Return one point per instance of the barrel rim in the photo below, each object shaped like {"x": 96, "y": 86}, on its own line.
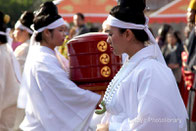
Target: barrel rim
{"x": 90, "y": 34}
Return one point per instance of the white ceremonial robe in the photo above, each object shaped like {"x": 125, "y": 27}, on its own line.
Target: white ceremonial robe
{"x": 21, "y": 53}
{"x": 54, "y": 103}
{"x": 9, "y": 86}
{"x": 147, "y": 98}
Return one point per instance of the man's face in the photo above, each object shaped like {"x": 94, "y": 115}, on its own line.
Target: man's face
{"x": 191, "y": 16}
{"x": 78, "y": 20}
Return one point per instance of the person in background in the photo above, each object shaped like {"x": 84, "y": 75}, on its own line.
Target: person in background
{"x": 172, "y": 54}
{"x": 79, "y": 24}
{"x": 72, "y": 32}
{"x": 178, "y": 36}
{"x": 22, "y": 33}
{"x": 162, "y": 33}
{"x": 15, "y": 43}
{"x": 191, "y": 11}
{"x": 191, "y": 46}
{"x": 187, "y": 32}
{"x": 63, "y": 48}
{"x": 54, "y": 102}
{"x": 9, "y": 79}
{"x": 188, "y": 67}
{"x": 144, "y": 90}
{"x": 191, "y": 66}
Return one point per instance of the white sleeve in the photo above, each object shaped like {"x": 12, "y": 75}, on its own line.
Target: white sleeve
{"x": 69, "y": 104}
{"x": 153, "y": 114}
{"x": 2, "y": 79}
{"x": 2, "y": 69}
{"x": 8, "y": 92}
{"x": 151, "y": 117}
{"x": 20, "y": 54}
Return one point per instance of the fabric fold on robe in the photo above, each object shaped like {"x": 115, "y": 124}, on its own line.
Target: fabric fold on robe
{"x": 9, "y": 86}
{"x": 54, "y": 102}
{"x": 147, "y": 98}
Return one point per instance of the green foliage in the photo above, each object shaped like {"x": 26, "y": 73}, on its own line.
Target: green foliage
{"x": 14, "y": 8}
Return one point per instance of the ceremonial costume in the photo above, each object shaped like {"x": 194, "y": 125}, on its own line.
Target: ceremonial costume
{"x": 9, "y": 86}
{"x": 21, "y": 53}
{"x": 53, "y": 101}
{"x": 191, "y": 64}
{"x": 189, "y": 71}
{"x": 22, "y": 50}
{"x": 143, "y": 95}
{"x": 147, "y": 97}
{"x": 9, "y": 78}
{"x": 22, "y": 33}
{"x": 172, "y": 56}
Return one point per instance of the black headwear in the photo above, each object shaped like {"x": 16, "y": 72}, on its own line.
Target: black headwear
{"x": 3, "y": 26}
{"x": 2, "y": 22}
{"x": 134, "y": 5}
{"x": 47, "y": 14}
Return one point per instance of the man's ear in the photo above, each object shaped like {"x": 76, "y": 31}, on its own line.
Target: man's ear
{"x": 128, "y": 34}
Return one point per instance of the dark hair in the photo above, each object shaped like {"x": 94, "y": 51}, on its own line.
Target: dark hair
{"x": 3, "y": 38}
{"x": 47, "y": 14}
{"x": 165, "y": 28}
{"x": 177, "y": 35}
{"x": 27, "y": 18}
{"x": 131, "y": 11}
{"x": 80, "y": 15}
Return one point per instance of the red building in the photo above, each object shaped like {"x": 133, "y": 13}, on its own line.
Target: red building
{"x": 174, "y": 12}
{"x": 94, "y": 10}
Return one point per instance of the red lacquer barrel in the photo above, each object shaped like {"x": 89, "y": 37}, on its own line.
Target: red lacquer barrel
{"x": 92, "y": 62}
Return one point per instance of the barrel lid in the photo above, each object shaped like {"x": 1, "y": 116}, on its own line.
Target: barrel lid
{"x": 89, "y": 37}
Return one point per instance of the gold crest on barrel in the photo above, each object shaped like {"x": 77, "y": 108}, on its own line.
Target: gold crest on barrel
{"x": 92, "y": 62}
